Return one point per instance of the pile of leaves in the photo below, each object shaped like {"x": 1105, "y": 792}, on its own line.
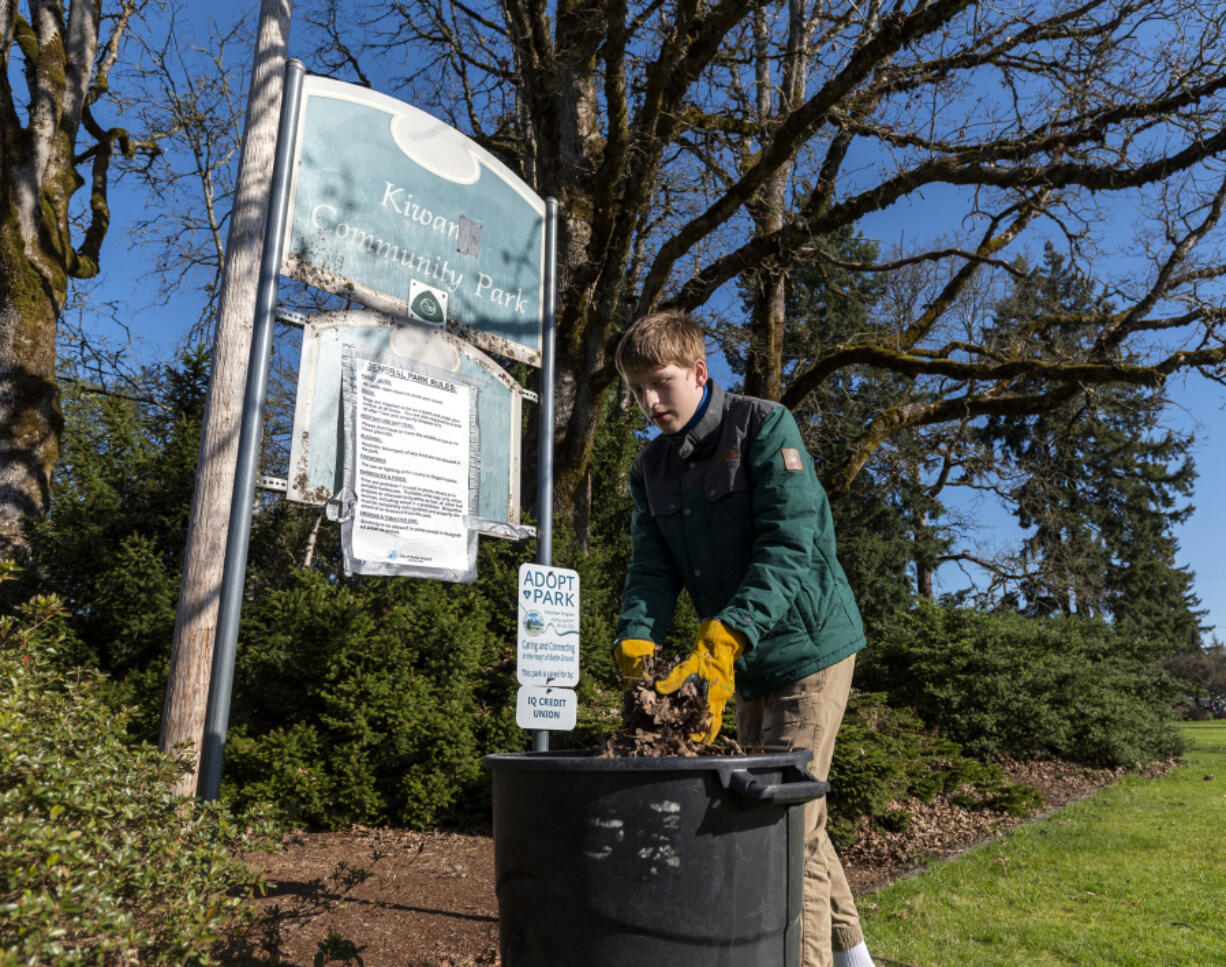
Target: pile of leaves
{"x": 662, "y": 725}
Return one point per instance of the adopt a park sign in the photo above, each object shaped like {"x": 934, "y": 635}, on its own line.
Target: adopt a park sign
{"x": 547, "y": 654}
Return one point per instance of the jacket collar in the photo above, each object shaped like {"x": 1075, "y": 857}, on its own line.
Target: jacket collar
{"x": 693, "y": 439}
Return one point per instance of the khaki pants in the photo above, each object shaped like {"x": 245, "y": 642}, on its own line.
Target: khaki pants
{"x": 806, "y": 715}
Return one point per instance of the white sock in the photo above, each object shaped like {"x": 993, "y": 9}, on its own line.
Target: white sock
{"x": 856, "y": 957}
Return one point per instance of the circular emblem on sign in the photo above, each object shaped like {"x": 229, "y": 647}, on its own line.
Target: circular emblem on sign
{"x": 534, "y": 624}
{"x": 427, "y": 306}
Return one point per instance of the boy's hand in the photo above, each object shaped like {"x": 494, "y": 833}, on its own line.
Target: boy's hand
{"x": 632, "y": 655}
{"x": 717, "y": 647}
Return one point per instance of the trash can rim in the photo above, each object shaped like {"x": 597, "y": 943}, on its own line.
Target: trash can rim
{"x": 586, "y": 760}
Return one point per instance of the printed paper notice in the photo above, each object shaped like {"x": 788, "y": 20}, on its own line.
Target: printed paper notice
{"x": 412, "y": 463}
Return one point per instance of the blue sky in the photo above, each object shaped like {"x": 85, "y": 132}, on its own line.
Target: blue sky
{"x": 1197, "y": 403}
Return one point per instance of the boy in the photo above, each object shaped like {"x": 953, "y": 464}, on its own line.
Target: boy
{"x": 727, "y": 505}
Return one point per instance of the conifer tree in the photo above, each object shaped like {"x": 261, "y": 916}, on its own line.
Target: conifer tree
{"x": 1097, "y": 481}
{"x": 112, "y": 543}
{"x": 888, "y": 540}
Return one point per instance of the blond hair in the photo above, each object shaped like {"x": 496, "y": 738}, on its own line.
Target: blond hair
{"x": 660, "y": 339}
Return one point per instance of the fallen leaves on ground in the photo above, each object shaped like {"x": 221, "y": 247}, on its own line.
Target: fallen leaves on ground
{"x": 431, "y": 902}
{"x": 942, "y": 828}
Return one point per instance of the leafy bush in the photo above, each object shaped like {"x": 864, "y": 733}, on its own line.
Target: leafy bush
{"x": 99, "y": 862}
{"x": 884, "y": 755}
{"x": 1068, "y": 687}
{"x": 369, "y": 701}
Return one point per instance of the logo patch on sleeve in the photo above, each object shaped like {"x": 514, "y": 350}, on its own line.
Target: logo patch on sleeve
{"x": 791, "y": 458}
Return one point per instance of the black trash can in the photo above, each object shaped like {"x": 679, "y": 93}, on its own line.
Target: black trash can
{"x": 666, "y": 862}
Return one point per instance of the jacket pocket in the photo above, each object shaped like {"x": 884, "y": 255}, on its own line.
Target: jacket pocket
{"x": 806, "y": 612}
{"x": 726, "y": 475}
{"x": 839, "y": 591}
{"x": 663, "y": 501}
{"x": 726, "y": 488}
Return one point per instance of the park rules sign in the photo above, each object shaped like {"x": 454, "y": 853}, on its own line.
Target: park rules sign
{"x": 394, "y": 208}
{"x": 411, "y": 479}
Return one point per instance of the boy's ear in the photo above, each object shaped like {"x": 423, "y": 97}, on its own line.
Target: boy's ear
{"x": 700, "y": 371}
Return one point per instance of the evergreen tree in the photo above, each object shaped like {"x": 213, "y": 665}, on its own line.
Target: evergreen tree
{"x": 1145, "y": 473}
{"x": 1097, "y": 481}
{"x": 887, "y": 536}
{"x": 112, "y": 543}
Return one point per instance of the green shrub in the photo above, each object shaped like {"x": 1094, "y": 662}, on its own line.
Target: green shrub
{"x": 99, "y": 862}
{"x": 1068, "y": 687}
{"x": 369, "y": 702}
{"x": 883, "y": 755}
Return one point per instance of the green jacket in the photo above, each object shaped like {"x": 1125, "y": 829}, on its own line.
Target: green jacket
{"x": 733, "y": 512}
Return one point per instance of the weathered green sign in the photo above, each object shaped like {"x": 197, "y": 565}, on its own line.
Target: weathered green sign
{"x": 403, "y": 213}
{"x": 318, "y": 446}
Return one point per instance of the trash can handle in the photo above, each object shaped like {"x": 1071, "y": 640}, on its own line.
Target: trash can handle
{"x": 802, "y": 789}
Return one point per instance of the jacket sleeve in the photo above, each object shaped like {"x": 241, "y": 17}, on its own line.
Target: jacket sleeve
{"x": 786, "y": 499}
{"x": 652, "y": 581}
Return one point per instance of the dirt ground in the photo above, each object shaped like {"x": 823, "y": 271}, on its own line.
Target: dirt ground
{"x": 428, "y": 900}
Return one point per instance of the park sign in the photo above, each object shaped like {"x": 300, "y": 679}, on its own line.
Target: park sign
{"x": 395, "y": 209}
{"x": 548, "y": 640}
{"x": 382, "y": 204}
{"x": 319, "y": 450}
{"x": 547, "y": 653}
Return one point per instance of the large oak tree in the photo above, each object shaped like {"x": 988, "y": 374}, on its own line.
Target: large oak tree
{"x": 54, "y": 140}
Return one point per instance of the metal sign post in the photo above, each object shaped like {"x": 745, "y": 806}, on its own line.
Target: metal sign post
{"x": 544, "y": 463}
{"x": 221, "y": 679}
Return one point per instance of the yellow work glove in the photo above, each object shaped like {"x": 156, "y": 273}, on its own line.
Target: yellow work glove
{"x": 717, "y": 647}
{"x": 631, "y": 655}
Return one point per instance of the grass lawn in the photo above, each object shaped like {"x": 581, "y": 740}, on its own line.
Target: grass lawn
{"x": 1133, "y": 875}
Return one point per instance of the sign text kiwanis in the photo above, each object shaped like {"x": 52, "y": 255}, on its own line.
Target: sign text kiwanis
{"x": 326, "y": 220}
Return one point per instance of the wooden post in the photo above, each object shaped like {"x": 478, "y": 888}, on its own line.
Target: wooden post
{"x": 191, "y": 657}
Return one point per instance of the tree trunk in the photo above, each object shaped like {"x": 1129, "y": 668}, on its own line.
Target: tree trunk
{"x": 577, "y": 418}
{"x": 308, "y": 555}
{"x": 196, "y": 623}
{"x": 923, "y": 567}
{"x": 30, "y": 418}
{"x": 569, "y": 148}
{"x": 764, "y": 360}
{"x": 768, "y": 317}
{"x": 38, "y": 178}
